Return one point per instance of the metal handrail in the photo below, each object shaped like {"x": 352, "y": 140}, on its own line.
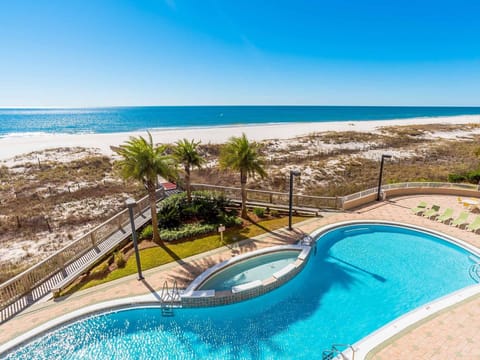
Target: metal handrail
{"x": 334, "y": 351}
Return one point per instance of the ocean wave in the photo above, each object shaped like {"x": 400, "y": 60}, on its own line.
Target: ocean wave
{"x": 28, "y": 134}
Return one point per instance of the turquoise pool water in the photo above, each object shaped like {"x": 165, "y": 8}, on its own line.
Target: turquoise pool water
{"x": 258, "y": 268}
{"x": 360, "y": 278}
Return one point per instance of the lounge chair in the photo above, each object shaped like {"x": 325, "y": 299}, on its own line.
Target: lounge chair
{"x": 420, "y": 208}
{"x": 461, "y": 219}
{"x": 475, "y": 225}
{"x": 447, "y": 215}
{"x": 432, "y": 212}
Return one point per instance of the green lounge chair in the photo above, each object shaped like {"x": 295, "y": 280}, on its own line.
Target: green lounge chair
{"x": 420, "y": 208}
{"x": 475, "y": 225}
{"x": 461, "y": 219}
{"x": 432, "y": 212}
{"x": 447, "y": 215}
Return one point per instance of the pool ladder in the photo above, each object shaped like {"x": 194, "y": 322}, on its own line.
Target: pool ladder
{"x": 336, "y": 351}
{"x": 169, "y": 298}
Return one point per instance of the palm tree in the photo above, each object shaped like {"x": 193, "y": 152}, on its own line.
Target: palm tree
{"x": 143, "y": 161}
{"x": 241, "y": 155}
{"x": 185, "y": 152}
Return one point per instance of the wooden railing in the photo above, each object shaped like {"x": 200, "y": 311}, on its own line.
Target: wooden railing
{"x": 24, "y": 282}
{"x": 276, "y": 198}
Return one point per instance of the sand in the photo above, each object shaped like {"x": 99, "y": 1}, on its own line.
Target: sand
{"x": 15, "y": 145}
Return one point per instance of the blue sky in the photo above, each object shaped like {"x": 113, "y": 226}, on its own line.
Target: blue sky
{"x": 174, "y": 52}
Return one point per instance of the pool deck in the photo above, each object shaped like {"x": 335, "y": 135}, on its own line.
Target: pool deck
{"x": 451, "y": 333}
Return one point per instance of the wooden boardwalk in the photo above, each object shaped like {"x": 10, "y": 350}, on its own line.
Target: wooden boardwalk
{"x": 77, "y": 267}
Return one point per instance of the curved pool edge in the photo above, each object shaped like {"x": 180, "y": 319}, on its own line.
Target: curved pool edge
{"x": 193, "y": 297}
{"x": 105, "y": 307}
{"x": 375, "y": 339}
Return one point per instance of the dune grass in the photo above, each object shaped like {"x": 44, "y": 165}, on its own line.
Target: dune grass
{"x": 160, "y": 255}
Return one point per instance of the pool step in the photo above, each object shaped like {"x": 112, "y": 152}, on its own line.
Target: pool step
{"x": 474, "y": 272}
{"x": 167, "y": 311}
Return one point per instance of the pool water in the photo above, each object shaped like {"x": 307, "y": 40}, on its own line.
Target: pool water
{"x": 359, "y": 278}
{"x": 258, "y": 268}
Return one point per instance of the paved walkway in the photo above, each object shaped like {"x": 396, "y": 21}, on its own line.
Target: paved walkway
{"x": 452, "y": 333}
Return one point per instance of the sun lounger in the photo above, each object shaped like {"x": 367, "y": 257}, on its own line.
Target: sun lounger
{"x": 420, "y": 208}
{"x": 432, "y": 212}
{"x": 461, "y": 219}
{"x": 447, "y": 215}
{"x": 475, "y": 225}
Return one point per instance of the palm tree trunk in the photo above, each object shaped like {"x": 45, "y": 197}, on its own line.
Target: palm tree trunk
{"x": 243, "y": 182}
{"x": 153, "y": 211}
{"x": 187, "y": 183}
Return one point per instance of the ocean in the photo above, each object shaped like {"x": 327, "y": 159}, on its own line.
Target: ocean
{"x": 18, "y": 122}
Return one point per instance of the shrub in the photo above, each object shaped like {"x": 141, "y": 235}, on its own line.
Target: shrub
{"x": 206, "y": 205}
{"x": 260, "y": 212}
{"x": 274, "y": 213}
{"x": 100, "y": 271}
{"x": 147, "y": 233}
{"x": 187, "y": 231}
{"x": 474, "y": 176}
{"x": 169, "y": 218}
{"x": 231, "y": 220}
{"x": 456, "y": 178}
{"x": 120, "y": 259}
{"x": 471, "y": 177}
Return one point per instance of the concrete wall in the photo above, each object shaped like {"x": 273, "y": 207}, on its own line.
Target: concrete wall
{"x": 348, "y": 205}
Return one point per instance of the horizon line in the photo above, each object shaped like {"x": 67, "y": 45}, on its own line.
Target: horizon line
{"x": 9, "y": 107}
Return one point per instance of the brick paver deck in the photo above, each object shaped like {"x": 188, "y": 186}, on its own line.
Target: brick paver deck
{"x": 455, "y": 332}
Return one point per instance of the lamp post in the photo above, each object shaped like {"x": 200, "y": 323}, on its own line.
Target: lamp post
{"x": 130, "y": 203}
{"x": 380, "y": 176}
{"x": 290, "y": 197}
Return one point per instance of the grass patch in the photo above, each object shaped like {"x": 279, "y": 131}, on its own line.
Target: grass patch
{"x": 156, "y": 256}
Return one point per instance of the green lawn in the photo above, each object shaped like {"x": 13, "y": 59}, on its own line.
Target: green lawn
{"x": 156, "y": 256}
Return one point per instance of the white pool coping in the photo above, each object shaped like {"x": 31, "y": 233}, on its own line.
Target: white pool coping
{"x": 282, "y": 272}
{"x": 379, "y": 336}
{"x": 248, "y": 286}
{"x": 200, "y": 279}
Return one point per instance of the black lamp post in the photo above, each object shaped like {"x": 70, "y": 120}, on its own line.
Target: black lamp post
{"x": 380, "y": 176}
{"x": 290, "y": 198}
{"x": 131, "y": 204}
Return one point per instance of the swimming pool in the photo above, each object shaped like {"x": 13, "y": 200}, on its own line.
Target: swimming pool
{"x": 259, "y": 267}
{"x": 359, "y": 278}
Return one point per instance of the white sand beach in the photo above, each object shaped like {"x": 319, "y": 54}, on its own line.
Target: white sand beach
{"x": 11, "y": 146}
